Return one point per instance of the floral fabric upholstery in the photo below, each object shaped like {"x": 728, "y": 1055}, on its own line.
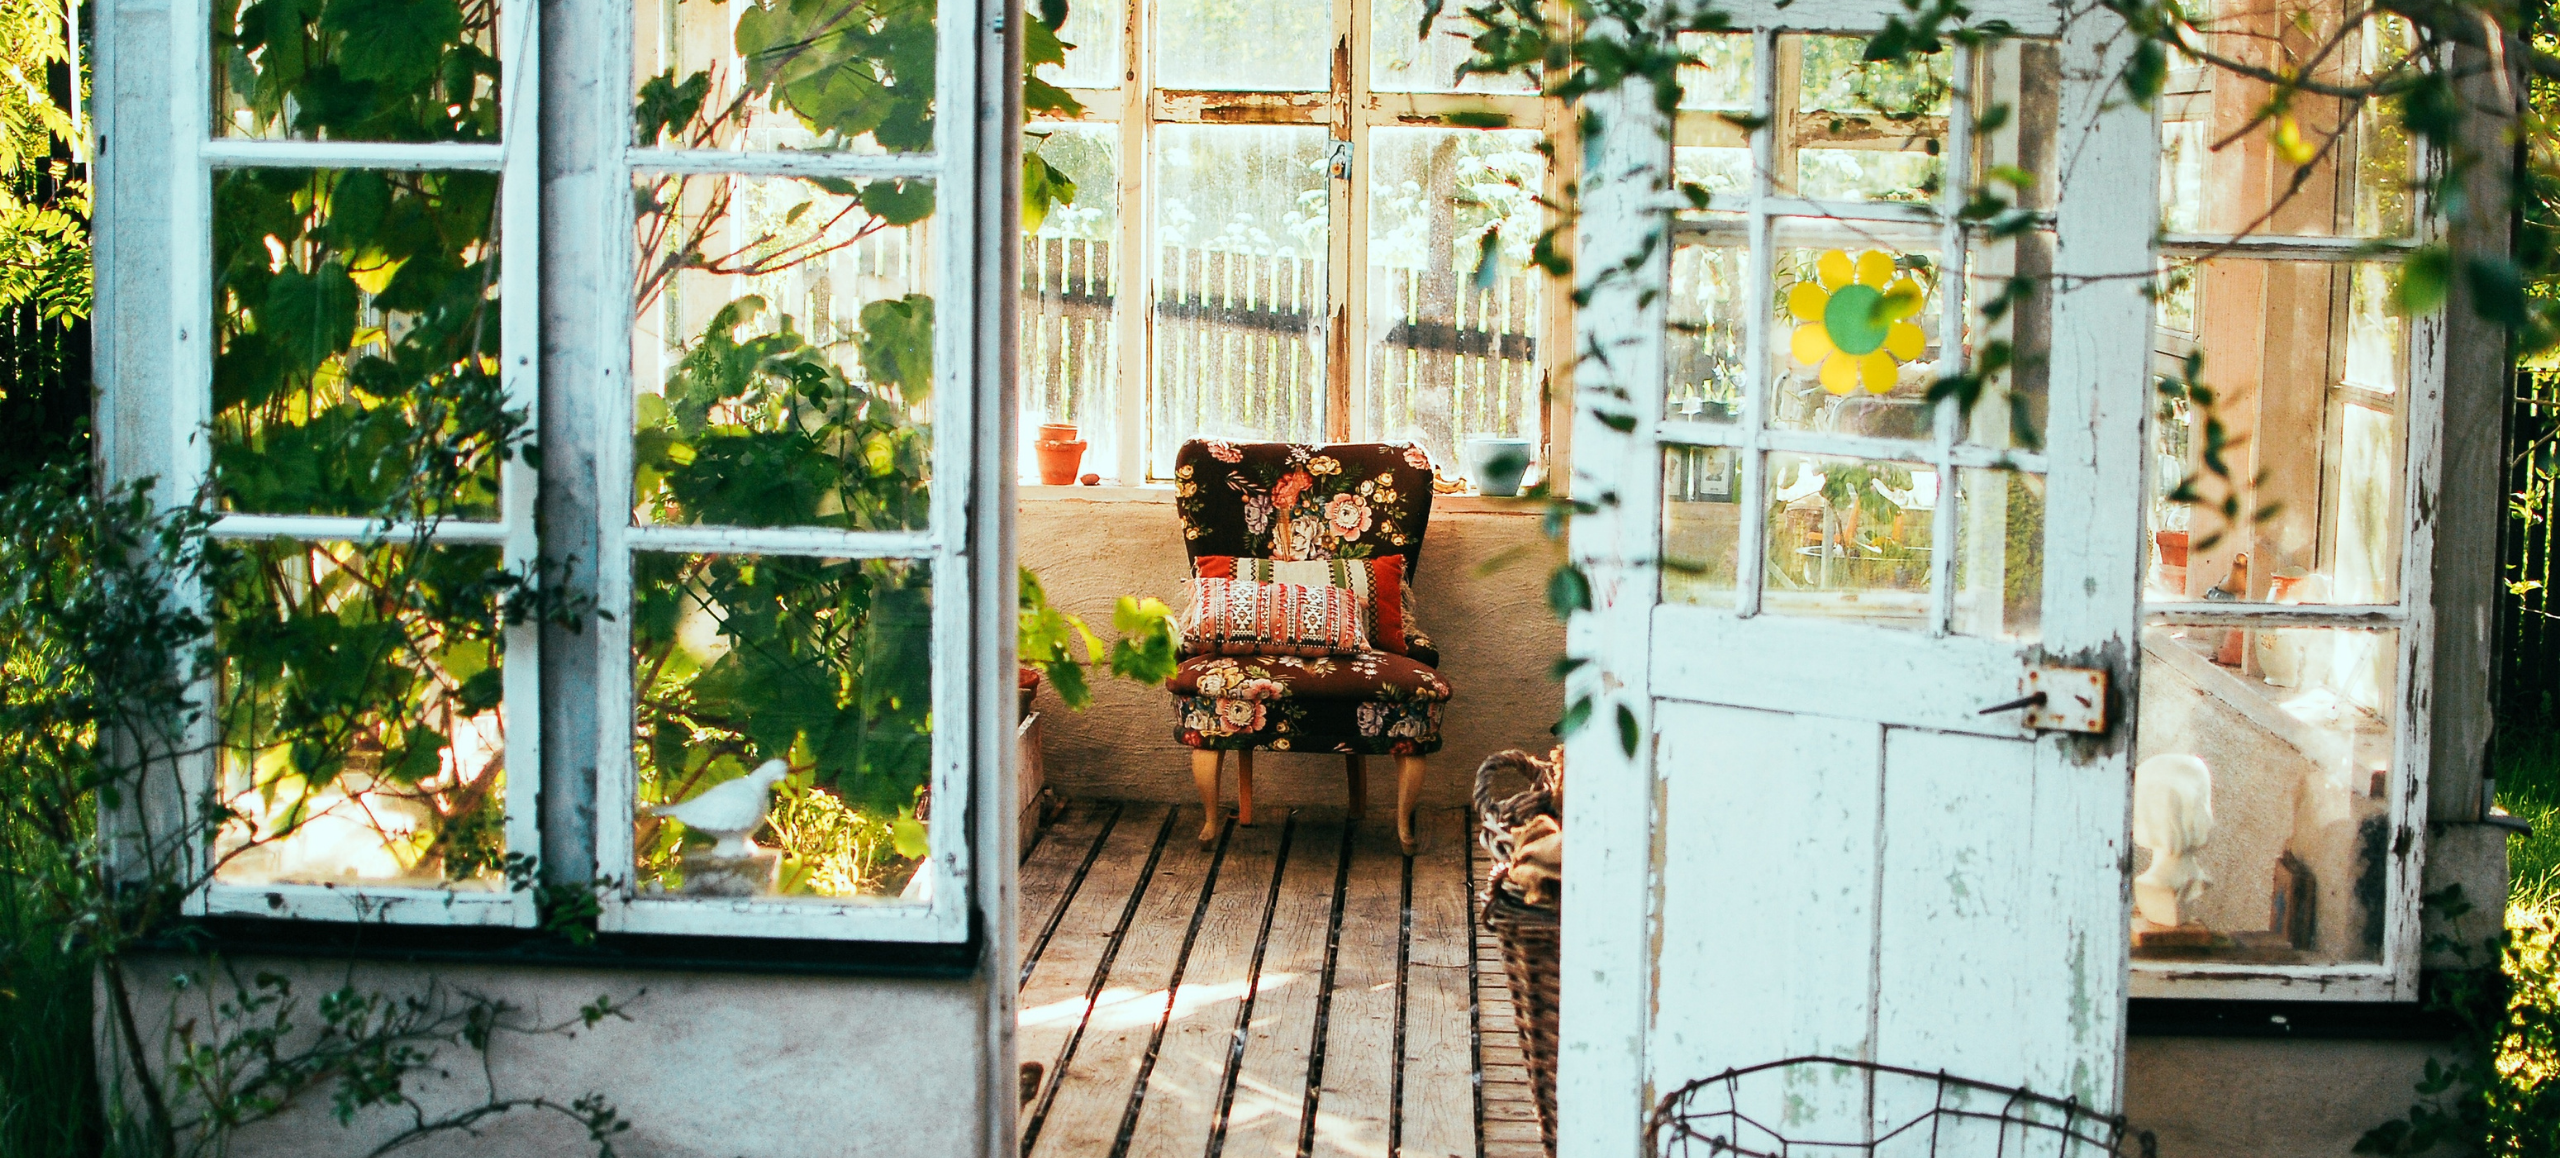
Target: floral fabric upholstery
{"x": 1287, "y": 502}
{"x": 1279, "y": 500}
{"x": 1372, "y": 704}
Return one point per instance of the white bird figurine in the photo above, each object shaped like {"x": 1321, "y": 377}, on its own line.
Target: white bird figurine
{"x": 730, "y": 812}
{"x": 2173, "y": 817}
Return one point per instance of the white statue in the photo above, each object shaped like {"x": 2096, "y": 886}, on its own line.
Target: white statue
{"x": 2172, "y": 817}
{"x": 730, "y": 812}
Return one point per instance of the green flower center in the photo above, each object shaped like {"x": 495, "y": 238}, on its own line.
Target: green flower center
{"x": 1855, "y": 319}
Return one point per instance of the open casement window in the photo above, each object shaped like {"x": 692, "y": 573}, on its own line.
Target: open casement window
{"x": 1276, "y": 233}
{"x": 788, "y": 475}
{"x": 2288, "y": 624}
{"x": 354, "y": 381}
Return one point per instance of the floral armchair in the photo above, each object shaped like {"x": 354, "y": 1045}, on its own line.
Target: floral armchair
{"x": 1354, "y": 502}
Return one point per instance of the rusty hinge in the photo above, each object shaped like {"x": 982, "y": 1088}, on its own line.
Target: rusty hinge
{"x": 2060, "y": 699}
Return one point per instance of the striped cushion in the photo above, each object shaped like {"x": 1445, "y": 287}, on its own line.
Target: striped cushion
{"x": 1243, "y": 617}
{"x": 1378, "y": 581}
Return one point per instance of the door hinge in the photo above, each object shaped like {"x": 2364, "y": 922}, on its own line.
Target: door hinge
{"x": 2060, "y": 699}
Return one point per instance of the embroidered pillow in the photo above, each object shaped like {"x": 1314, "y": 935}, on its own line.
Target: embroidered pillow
{"x": 1243, "y": 617}
{"x": 1379, "y": 582}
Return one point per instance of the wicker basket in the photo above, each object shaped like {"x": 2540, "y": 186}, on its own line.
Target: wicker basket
{"x": 1531, "y": 936}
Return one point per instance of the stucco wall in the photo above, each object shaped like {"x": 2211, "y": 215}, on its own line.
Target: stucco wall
{"x": 2266, "y": 1098}
{"x": 707, "y": 1066}
{"x": 1497, "y": 641}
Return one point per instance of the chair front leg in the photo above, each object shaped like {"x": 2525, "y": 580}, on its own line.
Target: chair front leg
{"x": 1408, "y": 789}
{"x": 1204, "y": 773}
{"x": 1359, "y": 772}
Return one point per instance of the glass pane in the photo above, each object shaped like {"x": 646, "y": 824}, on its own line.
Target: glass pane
{"x": 1853, "y": 337}
{"x": 2262, "y": 796}
{"x": 1253, "y": 45}
{"x": 782, "y": 353}
{"x": 414, "y": 70}
{"x": 1242, "y": 220}
{"x": 1999, "y": 554}
{"x": 362, "y": 740}
{"x": 356, "y": 328}
{"x": 1453, "y": 349}
{"x": 1720, "y": 170}
{"x": 2323, "y": 166}
{"x": 1704, "y": 377}
{"x": 1092, "y": 41}
{"x": 1701, "y": 524}
{"x": 2009, "y": 292}
{"x": 1401, "y": 62}
{"x": 1859, "y": 131}
{"x": 1849, "y": 539}
{"x": 1721, "y": 80}
{"x": 2302, "y": 363}
{"x": 782, "y": 714}
{"x": 855, "y": 75}
{"x": 1070, "y": 304}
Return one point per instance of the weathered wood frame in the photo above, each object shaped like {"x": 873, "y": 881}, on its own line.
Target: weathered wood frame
{"x": 1639, "y": 651}
{"x": 1350, "y": 108}
{"x": 156, "y": 372}
{"x": 967, "y": 613}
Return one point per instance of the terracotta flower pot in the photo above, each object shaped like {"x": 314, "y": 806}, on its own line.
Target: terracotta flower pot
{"x": 1059, "y": 452}
{"x": 2169, "y": 569}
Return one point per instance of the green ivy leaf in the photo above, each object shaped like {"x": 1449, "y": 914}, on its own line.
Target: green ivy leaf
{"x": 398, "y": 42}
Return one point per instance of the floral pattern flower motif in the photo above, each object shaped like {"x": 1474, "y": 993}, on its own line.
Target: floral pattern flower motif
{"x": 1416, "y": 457}
{"x": 1348, "y": 516}
{"x": 1854, "y": 317}
{"x": 1225, "y": 451}
{"x": 1324, "y": 464}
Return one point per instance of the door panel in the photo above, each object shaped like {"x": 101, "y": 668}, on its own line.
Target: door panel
{"x": 1789, "y": 664}
{"x": 1769, "y": 869}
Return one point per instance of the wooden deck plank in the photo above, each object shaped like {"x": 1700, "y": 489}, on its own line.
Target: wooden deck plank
{"x": 1439, "y": 1088}
{"x": 1190, "y": 1071}
{"x": 1059, "y": 993}
{"x": 1094, "y": 1095}
{"x": 1359, "y": 1052}
{"x": 1271, "y": 1081}
{"x": 1050, "y": 870}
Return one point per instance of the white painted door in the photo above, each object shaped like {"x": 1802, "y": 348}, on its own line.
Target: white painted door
{"x": 1809, "y": 579}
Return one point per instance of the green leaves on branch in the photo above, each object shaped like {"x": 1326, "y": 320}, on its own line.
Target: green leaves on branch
{"x": 384, "y": 70}
{"x": 845, "y": 69}
{"x": 1146, "y": 651}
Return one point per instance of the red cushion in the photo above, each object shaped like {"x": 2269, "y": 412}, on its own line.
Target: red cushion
{"x": 1378, "y": 581}
{"x": 1242, "y": 617}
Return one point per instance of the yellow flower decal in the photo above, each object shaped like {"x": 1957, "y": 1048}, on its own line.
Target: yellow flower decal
{"x": 1855, "y": 317}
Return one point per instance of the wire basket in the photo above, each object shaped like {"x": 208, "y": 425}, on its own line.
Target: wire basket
{"x": 1830, "y": 1107}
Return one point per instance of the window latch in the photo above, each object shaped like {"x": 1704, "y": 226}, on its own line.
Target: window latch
{"x": 2060, "y": 699}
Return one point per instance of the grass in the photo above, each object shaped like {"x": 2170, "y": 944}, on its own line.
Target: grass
{"x": 2528, "y": 770}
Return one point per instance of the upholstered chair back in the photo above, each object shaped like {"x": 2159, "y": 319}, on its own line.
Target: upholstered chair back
{"x": 1280, "y": 500}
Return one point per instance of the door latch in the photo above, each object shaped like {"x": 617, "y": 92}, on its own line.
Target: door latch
{"x": 2060, "y": 699}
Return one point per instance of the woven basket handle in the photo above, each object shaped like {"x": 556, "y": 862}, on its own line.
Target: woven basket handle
{"x": 1496, "y": 817}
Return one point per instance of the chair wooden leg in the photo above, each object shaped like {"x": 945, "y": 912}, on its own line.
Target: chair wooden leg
{"x": 1244, "y": 788}
{"x": 1204, "y": 773}
{"x": 1408, "y": 788}
{"x": 1359, "y": 785}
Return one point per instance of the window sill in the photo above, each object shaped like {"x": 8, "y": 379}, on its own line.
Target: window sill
{"x": 1111, "y": 493}
{"x": 428, "y": 945}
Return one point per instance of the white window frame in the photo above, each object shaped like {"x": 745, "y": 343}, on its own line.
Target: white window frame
{"x": 952, "y": 167}
{"x": 2422, "y": 390}
{"x": 1349, "y": 108}
{"x": 200, "y": 154}
{"x": 2422, "y": 398}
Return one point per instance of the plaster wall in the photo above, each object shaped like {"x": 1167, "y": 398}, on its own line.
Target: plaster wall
{"x": 706, "y": 1066}
{"x": 1480, "y": 594}
{"x": 2267, "y": 1098}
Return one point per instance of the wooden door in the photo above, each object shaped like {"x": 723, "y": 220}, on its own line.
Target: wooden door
{"x": 1793, "y": 830}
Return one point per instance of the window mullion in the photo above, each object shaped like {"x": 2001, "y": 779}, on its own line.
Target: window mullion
{"x": 1134, "y": 273}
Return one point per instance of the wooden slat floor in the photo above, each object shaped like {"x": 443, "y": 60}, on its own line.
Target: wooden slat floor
{"x": 1300, "y": 990}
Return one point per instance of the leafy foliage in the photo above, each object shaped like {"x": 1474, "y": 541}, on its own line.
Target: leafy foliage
{"x": 2494, "y": 1095}
{"x": 44, "y": 198}
{"x": 357, "y": 70}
